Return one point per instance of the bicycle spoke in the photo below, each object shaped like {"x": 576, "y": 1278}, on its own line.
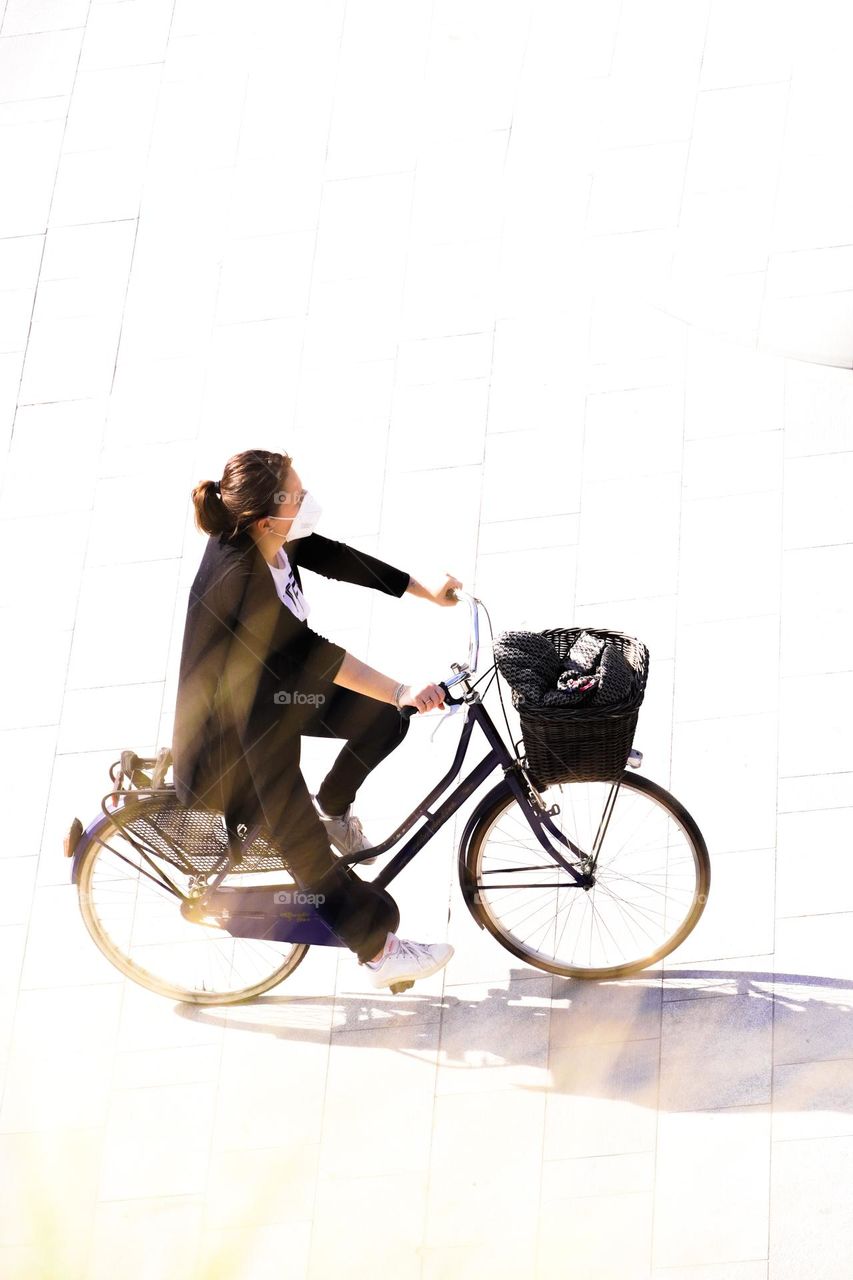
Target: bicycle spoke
{"x": 137, "y": 922}
{"x": 643, "y": 890}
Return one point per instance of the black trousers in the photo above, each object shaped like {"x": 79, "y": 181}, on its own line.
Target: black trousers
{"x": 358, "y": 913}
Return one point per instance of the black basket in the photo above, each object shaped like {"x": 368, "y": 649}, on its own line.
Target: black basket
{"x": 583, "y": 743}
{"x": 192, "y": 839}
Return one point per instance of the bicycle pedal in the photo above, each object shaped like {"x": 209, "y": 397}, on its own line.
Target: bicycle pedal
{"x": 397, "y": 987}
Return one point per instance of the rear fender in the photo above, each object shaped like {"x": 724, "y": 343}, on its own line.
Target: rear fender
{"x": 78, "y": 841}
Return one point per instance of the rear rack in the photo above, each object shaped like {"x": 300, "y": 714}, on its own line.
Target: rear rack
{"x": 192, "y": 838}
{"x": 130, "y": 769}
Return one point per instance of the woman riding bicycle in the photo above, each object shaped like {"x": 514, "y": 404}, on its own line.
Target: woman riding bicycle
{"x": 254, "y": 677}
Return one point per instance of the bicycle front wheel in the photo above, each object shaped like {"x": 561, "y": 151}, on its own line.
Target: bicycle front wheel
{"x": 132, "y": 909}
{"x": 648, "y": 878}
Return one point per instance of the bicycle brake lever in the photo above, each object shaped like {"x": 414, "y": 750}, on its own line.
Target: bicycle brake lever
{"x": 450, "y": 711}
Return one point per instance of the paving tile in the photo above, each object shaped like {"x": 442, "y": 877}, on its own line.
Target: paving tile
{"x": 686, "y": 980}
{"x": 702, "y": 688}
{"x": 596, "y": 1247}
{"x": 276, "y": 1249}
{"x": 712, "y": 1194}
{"x": 814, "y": 510}
{"x": 756, "y": 1270}
{"x": 621, "y": 514}
{"x": 599, "y": 1013}
{"x": 730, "y": 389}
{"x": 634, "y": 433}
{"x": 813, "y": 1100}
{"x": 603, "y": 1099}
{"x": 41, "y": 64}
{"x": 119, "y": 38}
{"x": 637, "y": 188}
{"x": 143, "y": 1236}
{"x": 809, "y": 576}
{"x": 738, "y": 917}
{"x": 811, "y": 989}
{"x": 588, "y": 1176}
{"x": 359, "y": 1222}
{"x": 824, "y": 834}
{"x": 50, "y": 1182}
{"x": 809, "y": 1181}
{"x": 815, "y": 791}
{"x": 702, "y": 1032}
{"x": 493, "y": 1039}
{"x": 737, "y": 136}
{"x": 812, "y": 723}
{"x": 818, "y": 328}
{"x": 817, "y": 409}
{"x": 742, "y": 749}
{"x": 474, "y": 1190}
{"x": 763, "y": 51}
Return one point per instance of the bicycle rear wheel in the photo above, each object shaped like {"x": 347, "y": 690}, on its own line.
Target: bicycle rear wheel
{"x": 650, "y": 880}
{"x": 133, "y": 915}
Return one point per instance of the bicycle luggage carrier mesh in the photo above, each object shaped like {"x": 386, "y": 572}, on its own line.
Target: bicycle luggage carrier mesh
{"x": 192, "y": 839}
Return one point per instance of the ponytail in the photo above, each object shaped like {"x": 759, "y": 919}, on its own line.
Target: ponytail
{"x": 248, "y": 491}
{"x": 211, "y": 515}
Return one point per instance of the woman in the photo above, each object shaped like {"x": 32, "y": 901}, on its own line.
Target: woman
{"x": 254, "y": 677}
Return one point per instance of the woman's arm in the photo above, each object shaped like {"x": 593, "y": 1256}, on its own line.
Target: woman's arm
{"x": 442, "y": 593}
{"x": 338, "y": 560}
{"x": 358, "y": 676}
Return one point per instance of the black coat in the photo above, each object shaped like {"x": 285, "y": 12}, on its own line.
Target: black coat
{"x": 243, "y": 653}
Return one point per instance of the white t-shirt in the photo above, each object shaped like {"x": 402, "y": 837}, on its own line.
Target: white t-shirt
{"x": 287, "y": 586}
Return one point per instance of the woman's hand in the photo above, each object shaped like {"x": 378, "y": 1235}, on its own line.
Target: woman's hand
{"x": 442, "y": 593}
{"x": 425, "y": 697}
{"x": 445, "y": 593}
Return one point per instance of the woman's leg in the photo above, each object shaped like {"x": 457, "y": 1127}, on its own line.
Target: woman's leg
{"x": 359, "y": 914}
{"x": 372, "y": 730}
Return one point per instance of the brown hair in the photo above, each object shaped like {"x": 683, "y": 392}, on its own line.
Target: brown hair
{"x": 248, "y": 490}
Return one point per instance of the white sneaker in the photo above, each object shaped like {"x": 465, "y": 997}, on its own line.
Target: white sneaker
{"x": 404, "y": 961}
{"x": 345, "y": 832}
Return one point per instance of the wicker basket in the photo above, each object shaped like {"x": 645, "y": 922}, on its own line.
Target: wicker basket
{"x": 585, "y": 743}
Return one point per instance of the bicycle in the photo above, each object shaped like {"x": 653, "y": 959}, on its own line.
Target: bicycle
{"x": 522, "y": 874}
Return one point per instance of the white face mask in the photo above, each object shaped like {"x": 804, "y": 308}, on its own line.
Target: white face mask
{"x": 305, "y": 520}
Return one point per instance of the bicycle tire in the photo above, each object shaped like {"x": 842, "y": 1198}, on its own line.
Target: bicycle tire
{"x": 475, "y": 891}
{"x": 104, "y": 831}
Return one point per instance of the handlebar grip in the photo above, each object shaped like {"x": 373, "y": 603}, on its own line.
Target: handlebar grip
{"x": 408, "y": 712}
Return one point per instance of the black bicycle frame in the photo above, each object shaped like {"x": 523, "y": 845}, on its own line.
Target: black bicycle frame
{"x": 498, "y": 756}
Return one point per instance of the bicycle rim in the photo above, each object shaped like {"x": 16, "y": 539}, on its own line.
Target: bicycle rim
{"x": 135, "y": 920}
{"x": 651, "y": 880}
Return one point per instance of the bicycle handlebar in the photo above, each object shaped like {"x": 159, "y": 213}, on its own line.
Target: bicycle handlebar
{"x": 473, "y": 653}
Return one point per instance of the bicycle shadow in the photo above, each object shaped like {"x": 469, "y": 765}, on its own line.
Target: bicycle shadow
{"x": 687, "y": 1039}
